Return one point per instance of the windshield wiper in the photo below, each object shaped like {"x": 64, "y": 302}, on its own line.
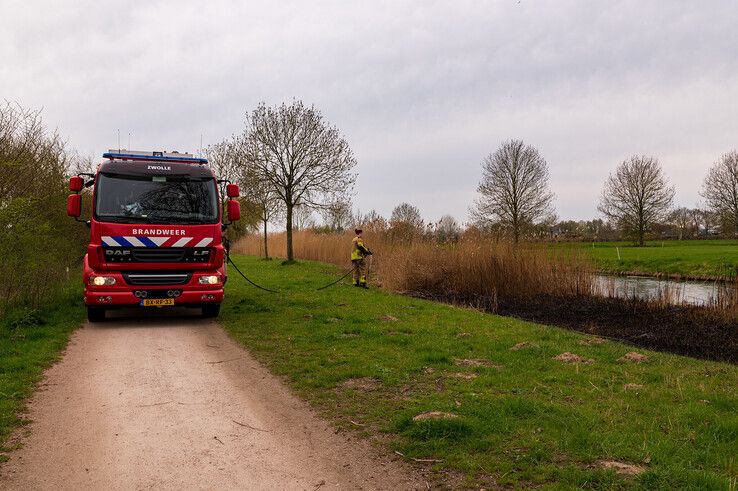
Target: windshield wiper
{"x": 172, "y": 220}
{"x": 120, "y": 219}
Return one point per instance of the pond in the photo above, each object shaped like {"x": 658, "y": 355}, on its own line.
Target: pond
{"x": 675, "y": 291}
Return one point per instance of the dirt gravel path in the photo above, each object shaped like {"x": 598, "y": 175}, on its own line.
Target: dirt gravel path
{"x": 174, "y": 403}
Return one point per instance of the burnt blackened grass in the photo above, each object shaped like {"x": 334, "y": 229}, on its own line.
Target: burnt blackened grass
{"x": 682, "y": 329}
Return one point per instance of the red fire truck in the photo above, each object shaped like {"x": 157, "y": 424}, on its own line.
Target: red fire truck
{"x": 155, "y": 232}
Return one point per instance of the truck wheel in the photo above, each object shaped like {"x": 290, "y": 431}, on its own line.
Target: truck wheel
{"x": 95, "y": 314}
{"x": 211, "y": 310}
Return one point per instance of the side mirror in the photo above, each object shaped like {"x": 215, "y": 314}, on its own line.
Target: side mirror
{"x": 74, "y": 205}
{"x": 76, "y": 184}
{"x": 234, "y": 211}
{"x": 232, "y": 191}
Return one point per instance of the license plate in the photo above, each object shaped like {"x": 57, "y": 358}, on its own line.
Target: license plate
{"x": 157, "y": 302}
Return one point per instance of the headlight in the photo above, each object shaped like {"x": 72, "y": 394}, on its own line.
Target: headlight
{"x": 209, "y": 280}
{"x": 102, "y": 280}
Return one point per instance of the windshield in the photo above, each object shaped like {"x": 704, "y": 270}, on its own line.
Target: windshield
{"x": 156, "y": 199}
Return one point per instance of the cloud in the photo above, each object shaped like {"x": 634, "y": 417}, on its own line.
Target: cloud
{"x": 422, "y": 91}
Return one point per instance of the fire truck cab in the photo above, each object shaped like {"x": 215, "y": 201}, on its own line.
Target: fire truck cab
{"x": 156, "y": 232}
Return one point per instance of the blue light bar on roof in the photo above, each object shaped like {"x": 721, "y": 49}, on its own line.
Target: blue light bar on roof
{"x": 154, "y": 157}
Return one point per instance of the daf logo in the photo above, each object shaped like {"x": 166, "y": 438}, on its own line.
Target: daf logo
{"x": 159, "y": 167}
{"x": 117, "y": 252}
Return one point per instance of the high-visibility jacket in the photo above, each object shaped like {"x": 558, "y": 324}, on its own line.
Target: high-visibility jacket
{"x": 358, "y": 251}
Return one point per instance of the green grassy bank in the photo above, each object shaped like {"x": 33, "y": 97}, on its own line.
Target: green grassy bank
{"x": 30, "y": 340}
{"x": 372, "y": 361}
{"x": 687, "y": 258}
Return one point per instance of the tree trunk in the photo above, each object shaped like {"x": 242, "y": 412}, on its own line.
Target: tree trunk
{"x": 266, "y": 251}
{"x": 290, "y": 256}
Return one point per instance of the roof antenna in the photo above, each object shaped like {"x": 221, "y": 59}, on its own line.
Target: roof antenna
{"x": 118, "y": 140}
{"x": 129, "y": 140}
{"x": 200, "y": 154}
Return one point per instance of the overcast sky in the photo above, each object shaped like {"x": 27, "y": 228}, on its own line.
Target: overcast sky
{"x": 421, "y": 90}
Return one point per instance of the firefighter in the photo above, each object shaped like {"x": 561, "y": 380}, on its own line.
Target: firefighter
{"x": 358, "y": 253}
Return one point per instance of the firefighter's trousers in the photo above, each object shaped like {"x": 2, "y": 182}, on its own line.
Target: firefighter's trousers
{"x": 359, "y": 271}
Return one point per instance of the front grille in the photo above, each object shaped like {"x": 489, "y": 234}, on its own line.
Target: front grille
{"x": 150, "y": 255}
{"x": 158, "y": 278}
{"x": 157, "y": 254}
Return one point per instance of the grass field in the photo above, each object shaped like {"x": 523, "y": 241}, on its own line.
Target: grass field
{"x": 30, "y": 340}
{"x": 371, "y": 361}
{"x": 689, "y": 258}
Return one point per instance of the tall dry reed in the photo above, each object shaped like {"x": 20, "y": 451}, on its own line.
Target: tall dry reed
{"x": 726, "y": 299}
{"x": 473, "y": 270}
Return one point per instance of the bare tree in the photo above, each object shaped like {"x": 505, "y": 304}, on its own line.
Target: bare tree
{"x": 372, "y": 216}
{"x": 681, "y": 218}
{"x": 228, "y": 165}
{"x": 637, "y": 195}
{"x": 447, "y": 229}
{"x": 709, "y": 220}
{"x": 225, "y": 162}
{"x": 514, "y": 189}
{"x": 569, "y": 229}
{"x": 338, "y": 216}
{"x": 303, "y": 218}
{"x": 406, "y": 222}
{"x": 259, "y": 191}
{"x": 407, "y": 213}
{"x": 594, "y": 228}
{"x": 371, "y": 220}
{"x": 695, "y": 215}
{"x": 720, "y": 188}
{"x": 306, "y": 160}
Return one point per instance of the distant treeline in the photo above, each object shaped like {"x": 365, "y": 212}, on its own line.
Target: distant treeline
{"x": 406, "y": 223}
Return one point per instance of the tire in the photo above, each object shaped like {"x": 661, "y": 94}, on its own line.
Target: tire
{"x": 95, "y": 314}
{"x": 211, "y": 310}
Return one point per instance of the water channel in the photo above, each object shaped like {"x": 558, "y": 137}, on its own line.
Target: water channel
{"x": 677, "y": 291}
